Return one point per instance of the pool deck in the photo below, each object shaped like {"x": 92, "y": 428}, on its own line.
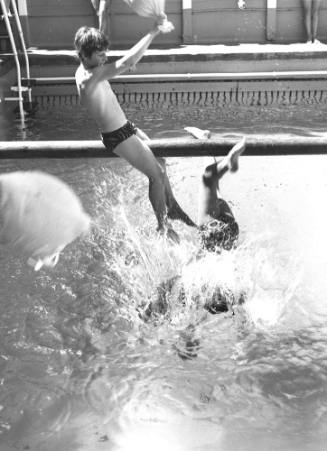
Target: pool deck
{"x": 223, "y": 63}
{"x": 196, "y": 58}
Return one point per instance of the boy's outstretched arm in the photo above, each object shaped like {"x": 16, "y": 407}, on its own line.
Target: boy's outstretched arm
{"x": 130, "y": 59}
{"x": 134, "y": 55}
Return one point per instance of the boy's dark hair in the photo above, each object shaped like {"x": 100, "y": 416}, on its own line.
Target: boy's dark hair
{"x": 89, "y": 40}
{"x": 218, "y": 235}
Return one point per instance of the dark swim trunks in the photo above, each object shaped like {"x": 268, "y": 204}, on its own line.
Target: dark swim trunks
{"x": 217, "y": 235}
{"x": 112, "y": 139}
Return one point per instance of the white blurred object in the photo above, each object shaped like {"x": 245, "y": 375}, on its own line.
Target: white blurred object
{"x": 39, "y": 216}
{"x": 152, "y": 8}
{"x": 241, "y": 4}
{"x": 198, "y": 133}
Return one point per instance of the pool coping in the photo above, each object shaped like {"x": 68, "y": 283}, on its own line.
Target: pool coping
{"x": 256, "y": 145}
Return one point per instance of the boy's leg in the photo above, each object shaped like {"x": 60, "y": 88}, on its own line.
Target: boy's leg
{"x": 139, "y": 155}
{"x": 141, "y": 134}
{"x": 307, "y": 18}
{"x": 211, "y": 205}
{"x": 174, "y": 209}
{"x": 230, "y": 162}
{"x": 315, "y": 18}
{"x": 104, "y": 17}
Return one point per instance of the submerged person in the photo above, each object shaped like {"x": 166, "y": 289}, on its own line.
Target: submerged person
{"x": 311, "y": 16}
{"x": 218, "y": 230}
{"x": 119, "y": 135}
{"x": 102, "y": 9}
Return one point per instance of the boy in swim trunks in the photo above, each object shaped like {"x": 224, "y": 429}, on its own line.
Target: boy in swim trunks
{"x": 118, "y": 134}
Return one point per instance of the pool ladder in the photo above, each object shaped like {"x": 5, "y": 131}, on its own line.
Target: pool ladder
{"x": 6, "y": 15}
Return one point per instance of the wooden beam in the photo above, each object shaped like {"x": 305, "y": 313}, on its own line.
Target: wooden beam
{"x": 170, "y": 147}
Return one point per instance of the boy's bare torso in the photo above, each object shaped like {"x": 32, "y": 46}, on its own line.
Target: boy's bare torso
{"x": 98, "y": 97}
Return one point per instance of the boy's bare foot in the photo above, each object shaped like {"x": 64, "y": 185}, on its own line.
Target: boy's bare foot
{"x": 233, "y": 155}
{"x": 198, "y": 133}
{"x": 175, "y": 212}
{"x": 169, "y": 233}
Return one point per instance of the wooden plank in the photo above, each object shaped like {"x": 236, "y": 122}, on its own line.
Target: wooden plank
{"x": 258, "y": 145}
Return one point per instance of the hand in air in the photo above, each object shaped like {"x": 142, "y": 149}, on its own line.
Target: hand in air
{"x": 163, "y": 25}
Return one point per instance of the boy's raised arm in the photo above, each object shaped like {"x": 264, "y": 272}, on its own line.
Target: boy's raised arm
{"x": 134, "y": 55}
{"x": 131, "y": 58}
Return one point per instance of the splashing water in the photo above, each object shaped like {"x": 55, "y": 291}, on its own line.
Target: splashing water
{"x": 81, "y": 363}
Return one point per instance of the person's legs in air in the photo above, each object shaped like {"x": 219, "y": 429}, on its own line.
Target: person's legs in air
{"x": 104, "y": 18}
{"x": 211, "y": 205}
{"x": 315, "y": 18}
{"x": 307, "y": 19}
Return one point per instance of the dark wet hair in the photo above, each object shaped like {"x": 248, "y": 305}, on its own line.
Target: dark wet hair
{"x": 218, "y": 235}
{"x": 89, "y": 40}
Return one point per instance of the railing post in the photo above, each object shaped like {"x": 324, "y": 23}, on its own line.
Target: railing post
{"x": 5, "y": 6}
{"x": 187, "y": 22}
{"x": 271, "y": 19}
{"x": 23, "y": 44}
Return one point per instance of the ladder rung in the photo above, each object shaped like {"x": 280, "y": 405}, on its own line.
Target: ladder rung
{"x": 23, "y": 88}
{"x": 8, "y": 14}
{"x": 12, "y": 99}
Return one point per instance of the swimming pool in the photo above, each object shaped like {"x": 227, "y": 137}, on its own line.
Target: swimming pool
{"x": 166, "y": 120}
{"x": 80, "y": 370}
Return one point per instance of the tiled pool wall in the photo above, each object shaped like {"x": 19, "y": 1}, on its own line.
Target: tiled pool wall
{"x": 252, "y": 93}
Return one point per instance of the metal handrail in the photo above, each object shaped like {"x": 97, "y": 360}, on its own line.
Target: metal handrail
{"x": 21, "y": 35}
{"x": 6, "y": 12}
{"x": 5, "y": 6}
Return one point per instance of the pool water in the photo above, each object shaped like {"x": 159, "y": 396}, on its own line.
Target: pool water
{"x": 164, "y": 120}
{"x": 79, "y": 367}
